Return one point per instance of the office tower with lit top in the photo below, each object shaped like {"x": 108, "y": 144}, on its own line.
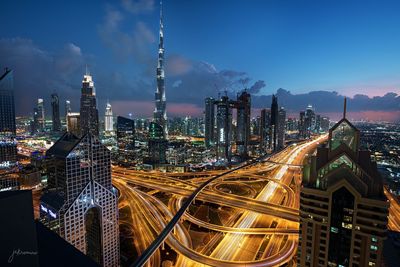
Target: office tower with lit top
{"x": 67, "y": 108}
{"x": 160, "y": 111}
{"x": 55, "y": 112}
{"x": 108, "y": 119}
{"x": 209, "y": 122}
{"x": 79, "y": 202}
{"x": 8, "y": 145}
{"x": 89, "y": 115}
{"x": 40, "y": 116}
{"x": 343, "y": 210}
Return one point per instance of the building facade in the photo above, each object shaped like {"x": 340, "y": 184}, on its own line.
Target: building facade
{"x": 55, "y": 112}
{"x": 343, "y": 210}
{"x": 8, "y": 144}
{"x": 125, "y": 135}
{"x": 89, "y": 115}
{"x": 274, "y": 123}
{"x": 74, "y": 123}
{"x": 160, "y": 111}
{"x": 209, "y": 122}
{"x": 108, "y": 119}
{"x": 281, "y": 128}
{"x": 243, "y": 104}
{"x": 80, "y": 203}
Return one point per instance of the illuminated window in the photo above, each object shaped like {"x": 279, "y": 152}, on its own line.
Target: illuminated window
{"x": 374, "y": 239}
{"x": 373, "y": 247}
{"x": 334, "y": 230}
{"x": 371, "y": 263}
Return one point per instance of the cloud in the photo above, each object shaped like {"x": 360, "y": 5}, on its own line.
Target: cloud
{"x": 126, "y": 46}
{"x": 38, "y": 73}
{"x": 256, "y": 87}
{"x": 138, "y": 6}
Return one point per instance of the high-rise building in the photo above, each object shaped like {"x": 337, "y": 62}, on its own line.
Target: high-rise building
{"x": 343, "y": 210}
{"x": 74, "y": 123}
{"x": 8, "y": 145}
{"x": 281, "y": 128}
{"x": 67, "y": 108}
{"x": 108, "y": 119}
{"x": 89, "y": 113}
{"x": 317, "y": 128}
{"x": 125, "y": 135}
{"x": 209, "y": 122}
{"x": 224, "y": 129}
{"x": 274, "y": 123}
{"x": 160, "y": 111}
{"x": 55, "y": 106}
{"x": 41, "y": 115}
{"x": 80, "y": 203}
{"x": 325, "y": 124}
{"x": 243, "y": 105}
{"x": 302, "y": 125}
{"x": 309, "y": 120}
{"x": 265, "y": 128}
{"x": 157, "y": 144}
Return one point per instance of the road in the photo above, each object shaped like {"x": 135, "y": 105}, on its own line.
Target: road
{"x": 271, "y": 215}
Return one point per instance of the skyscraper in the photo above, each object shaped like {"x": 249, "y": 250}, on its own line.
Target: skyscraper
{"x": 80, "y": 203}
{"x": 281, "y": 128}
{"x": 243, "y": 123}
{"x": 160, "y": 111}
{"x": 41, "y": 116}
{"x": 157, "y": 144}
{"x": 224, "y": 129}
{"x": 108, "y": 119}
{"x": 55, "y": 106}
{"x": 8, "y": 145}
{"x": 209, "y": 122}
{"x": 74, "y": 123}
{"x": 309, "y": 120}
{"x": 67, "y": 108}
{"x": 265, "y": 128}
{"x": 343, "y": 210}
{"x": 302, "y": 124}
{"x": 125, "y": 135}
{"x": 274, "y": 123}
{"x": 89, "y": 114}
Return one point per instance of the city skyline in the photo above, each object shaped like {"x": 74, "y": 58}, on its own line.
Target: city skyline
{"x": 203, "y": 64}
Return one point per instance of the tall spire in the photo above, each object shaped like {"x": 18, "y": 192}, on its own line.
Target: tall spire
{"x": 160, "y": 112}
{"x": 344, "y": 107}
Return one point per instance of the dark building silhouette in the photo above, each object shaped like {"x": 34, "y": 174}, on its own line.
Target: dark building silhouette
{"x": 55, "y": 112}
{"x": 343, "y": 210}
{"x": 89, "y": 115}
{"x": 274, "y": 123}
{"x": 265, "y": 129}
{"x": 26, "y": 242}
{"x": 243, "y": 105}
{"x": 125, "y": 135}
{"x": 281, "y": 129}
{"x": 80, "y": 203}
{"x": 157, "y": 144}
{"x": 209, "y": 122}
{"x": 8, "y": 145}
